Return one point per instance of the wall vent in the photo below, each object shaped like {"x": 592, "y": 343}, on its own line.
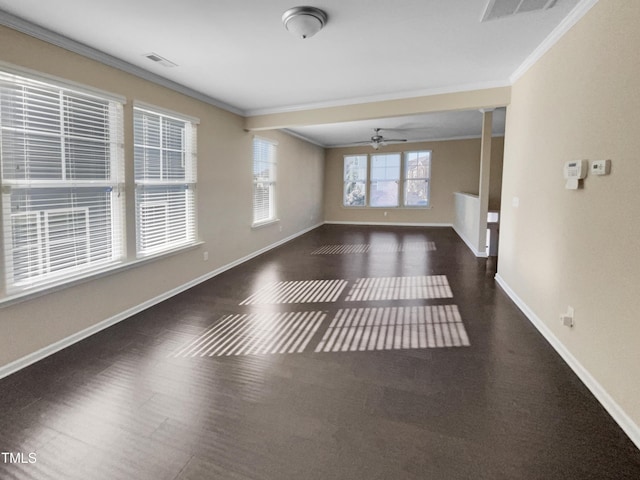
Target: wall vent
{"x": 154, "y": 57}
{"x": 507, "y": 8}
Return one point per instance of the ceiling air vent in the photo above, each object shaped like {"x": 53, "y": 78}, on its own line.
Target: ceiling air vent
{"x": 154, "y": 57}
{"x": 507, "y": 8}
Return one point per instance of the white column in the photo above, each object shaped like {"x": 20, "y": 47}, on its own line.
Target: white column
{"x": 485, "y": 176}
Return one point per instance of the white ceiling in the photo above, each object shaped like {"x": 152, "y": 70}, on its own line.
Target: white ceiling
{"x": 238, "y": 52}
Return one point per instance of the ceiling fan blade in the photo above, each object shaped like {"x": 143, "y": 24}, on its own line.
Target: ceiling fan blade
{"x": 395, "y": 139}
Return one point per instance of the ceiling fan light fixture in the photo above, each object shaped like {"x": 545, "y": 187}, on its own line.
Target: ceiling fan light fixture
{"x": 304, "y": 22}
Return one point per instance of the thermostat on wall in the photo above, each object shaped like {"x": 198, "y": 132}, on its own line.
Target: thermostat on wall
{"x": 601, "y": 167}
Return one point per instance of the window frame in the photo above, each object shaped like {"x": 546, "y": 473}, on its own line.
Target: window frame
{"x": 406, "y": 179}
{"x": 156, "y": 188}
{"x": 86, "y": 148}
{"x": 402, "y": 181}
{"x": 271, "y": 180}
{"x": 346, "y": 181}
{"x": 397, "y": 181}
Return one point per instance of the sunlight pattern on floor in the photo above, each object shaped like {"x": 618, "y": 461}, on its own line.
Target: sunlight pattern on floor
{"x": 375, "y": 248}
{"x": 304, "y": 291}
{"x": 394, "y": 328}
{"x": 400, "y": 288}
{"x": 254, "y": 334}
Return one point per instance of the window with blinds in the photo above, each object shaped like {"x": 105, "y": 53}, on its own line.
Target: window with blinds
{"x": 264, "y": 181}
{"x": 62, "y": 161}
{"x": 165, "y": 177}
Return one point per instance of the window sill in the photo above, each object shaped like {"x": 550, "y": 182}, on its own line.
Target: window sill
{"x": 55, "y": 286}
{"x": 264, "y": 223}
{"x": 368, "y": 207}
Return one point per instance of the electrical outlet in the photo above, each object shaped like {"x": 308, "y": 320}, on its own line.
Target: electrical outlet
{"x": 567, "y": 318}
{"x": 567, "y": 321}
{"x": 205, "y": 256}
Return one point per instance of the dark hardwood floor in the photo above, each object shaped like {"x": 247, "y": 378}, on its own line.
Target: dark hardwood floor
{"x": 403, "y": 360}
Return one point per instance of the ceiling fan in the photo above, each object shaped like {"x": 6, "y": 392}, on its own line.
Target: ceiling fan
{"x": 377, "y": 140}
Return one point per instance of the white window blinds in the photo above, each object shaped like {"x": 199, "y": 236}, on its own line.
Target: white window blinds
{"x": 61, "y": 155}
{"x": 165, "y": 176}
{"x": 264, "y": 180}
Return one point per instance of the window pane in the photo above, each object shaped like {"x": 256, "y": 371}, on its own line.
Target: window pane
{"x": 173, "y": 165}
{"x": 163, "y": 217}
{"x": 164, "y": 160}
{"x": 416, "y": 193}
{"x": 29, "y": 108}
{"x": 355, "y": 180}
{"x": 262, "y": 208}
{"x": 86, "y": 117}
{"x": 60, "y": 230}
{"x": 385, "y": 167}
{"x": 264, "y": 176}
{"x": 384, "y": 194}
{"x": 30, "y": 156}
{"x": 417, "y": 167}
{"x": 385, "y": 177}
{"x": 87, "y": 160}
{"x": 355, "y": 168}
{"x": 354, "y": 194}
{"x": 160, "y": 147}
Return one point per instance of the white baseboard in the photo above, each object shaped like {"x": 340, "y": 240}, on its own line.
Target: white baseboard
{"x": 469, "y": 244}
{"x": 389, "y": 224}
{"x": 621, "y": 418}
{"x": 38, "y": 355}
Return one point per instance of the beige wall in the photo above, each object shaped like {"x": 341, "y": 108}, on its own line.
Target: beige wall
{"x": 224, "y": 203}
{"x": 455, "y": 167}
{"x": 580, "y": 248}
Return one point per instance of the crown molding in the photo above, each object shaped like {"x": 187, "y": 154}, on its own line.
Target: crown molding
{"x": 53, "y": 38}
{"x": 379, "y": 98}
{"x": 290, "y": 132}
{"x": 569, "y": 21}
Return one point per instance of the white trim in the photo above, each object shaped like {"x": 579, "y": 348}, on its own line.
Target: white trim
{"x": 154, "y": 109}
{"x": 264, "y": 223}
{"x": 381, "y": 98}
{"x": 569, "y": 21}
{"x": 290, "y": 132}
{"x": 618, "y": 414}
{"x": 389, "y": 224}
{"x": 469, "y": 243}
{"x": 53, "y": 38}
{"x": 59, "y": 82}
{"x": 38, "y": 355}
